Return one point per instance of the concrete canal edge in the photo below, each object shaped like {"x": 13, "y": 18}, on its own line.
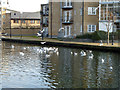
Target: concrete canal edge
{"x": 63, "y": 44}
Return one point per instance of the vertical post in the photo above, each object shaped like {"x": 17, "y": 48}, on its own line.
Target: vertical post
{"x": 10, "y": 25}
{"x": 83, "y": 17}
{"x": 113, "y": 24}
{"x": 21, "y": 29}
{"x": 21, "y": 25}
{"x": 51, "y": 18}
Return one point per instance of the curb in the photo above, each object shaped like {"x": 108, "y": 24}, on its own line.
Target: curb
{"x": 62, "y": 44}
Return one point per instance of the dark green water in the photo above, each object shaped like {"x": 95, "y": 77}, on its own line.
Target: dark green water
{"x": 26, "y": 66}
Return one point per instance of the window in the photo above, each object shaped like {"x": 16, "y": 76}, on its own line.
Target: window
{"x": 3, "y": 16}
{"x": 81, "y": 11}
{"x": 15, "y": 21}
{"x": 23, "y": 21}
{"x": 3, "y": 9}
{"x": 38, "y": 21}
{"x": 67, "y": 16}
{"x": 91, "y": 28}
{"x": 91, "y": 10}
{"x": 3, "y": 22}
{"x": 67, "y": 3}
{"x": 81, "y": 28}
{"x": 67, "y": 31}
{"x": 3, "y": 2}
{"x": 44, "y": 19}
{"x": 44, "y": 10}
{"x": 32, "y": 21}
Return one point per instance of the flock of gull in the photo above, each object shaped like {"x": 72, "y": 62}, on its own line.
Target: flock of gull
{"x": 48, "y": 50}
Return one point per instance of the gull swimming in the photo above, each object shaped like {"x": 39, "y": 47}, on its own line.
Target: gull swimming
{"x": 103, "y": 60}
{"x": 13, "y": 46}
{"x": 21, "y": 53}
{"x": 75, "y": 54}
{"x": 91, "y": 56}
{"x": 83, "y": 53}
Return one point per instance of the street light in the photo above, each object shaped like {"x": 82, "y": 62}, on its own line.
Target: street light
{"x": 20, "y": 24}
{"x": 10, "y": 25}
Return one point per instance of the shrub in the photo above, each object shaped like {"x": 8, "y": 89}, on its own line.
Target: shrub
{"x": 97, "y": 35}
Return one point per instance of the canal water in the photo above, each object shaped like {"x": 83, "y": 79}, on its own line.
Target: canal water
{"x": 27, "y": 66}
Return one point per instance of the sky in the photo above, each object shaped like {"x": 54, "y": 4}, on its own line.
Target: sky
{"x": 26, "y": 5}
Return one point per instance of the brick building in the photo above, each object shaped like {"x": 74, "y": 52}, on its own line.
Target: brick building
{"x": 27, "y": 23}
{"x": 44, "y": 18}
{"x": 69, "y": 19}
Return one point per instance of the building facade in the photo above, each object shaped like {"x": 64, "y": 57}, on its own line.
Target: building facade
{"x": 44, "y": 18}
{"x": 28, "y": 22}
{"x": 4, "y": 4}
{"x": 109, "y": 15}
{"x": 69, "y": 19}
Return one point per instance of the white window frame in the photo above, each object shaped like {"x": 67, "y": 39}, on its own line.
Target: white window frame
{"x": 67, "y": 16}
{"x": 90, "y": 28}
{"x": 70, "y": 15}
{"x": 81, "y": 11}
{"x": 68, "y": 3}
{"x": 44, "y": 19}
{"x": 67, "y": 31}
{"x": 81, "y": 28}
{"x": 44, "y": 12}
{"x": 92, "y": 10}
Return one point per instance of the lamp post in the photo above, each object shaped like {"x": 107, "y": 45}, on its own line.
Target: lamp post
{"x": 10, "y": 26}
{"x": 113, "y": 25}
{"x": 51, "y": 18}
{"x": 20, "y": 24}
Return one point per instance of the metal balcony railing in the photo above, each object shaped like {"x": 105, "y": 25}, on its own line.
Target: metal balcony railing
{"x": 45, "y": 24}
{"x": 69, "y": 5}
{"x": 68, "y": 21}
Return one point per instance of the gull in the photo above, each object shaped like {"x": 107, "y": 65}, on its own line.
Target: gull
{"x": 91, "y": 56}
{"x": 21, "y": 53}
{"x": 24, "y": 48}
{"x": 83, "y": 53}
{"x": 75, "y": 54}
{"x": 103, "y": 60}
{"x": 90, "y": 51}
{"x": 38, "y": 50}
{"x": 43, "y": 42}
{"x": 71, "y": 52}
{"x": 13, "y": 46}
{"x": 111, "y": 68}
{"x": 38, "y": 35}
{"x": 101, "y": 44}
{"x": 56, "y": 50}
{"x": 57, "y": 53}
{"x": 47, "y": 56}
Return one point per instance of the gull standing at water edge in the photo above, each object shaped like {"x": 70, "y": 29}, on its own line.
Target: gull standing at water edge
{"x": 43, "y": 42}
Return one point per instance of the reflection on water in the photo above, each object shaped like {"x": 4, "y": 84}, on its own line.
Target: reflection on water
{"x": 25, "y": 66}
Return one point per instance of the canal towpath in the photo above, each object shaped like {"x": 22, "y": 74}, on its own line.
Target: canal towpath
{"x": 58, "y": 42}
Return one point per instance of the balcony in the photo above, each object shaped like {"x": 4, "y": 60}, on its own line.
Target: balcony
{"x": 45, "y": 24}
{"x": 67, "y": 21}
{"x": 117, "y": 19}
{"x": 67, "y": 5}
{"x": 44, "y": 13}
